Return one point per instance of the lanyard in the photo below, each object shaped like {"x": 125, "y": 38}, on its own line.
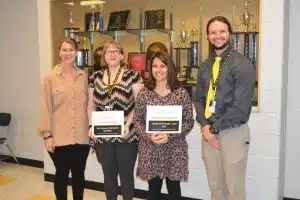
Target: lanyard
{"x": 215, "y": 82}
{"x": 111, "y": 86}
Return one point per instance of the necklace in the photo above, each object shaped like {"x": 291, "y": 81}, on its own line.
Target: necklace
{"x": 111, "y": 86}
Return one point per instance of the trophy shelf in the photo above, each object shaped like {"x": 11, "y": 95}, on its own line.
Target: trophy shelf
{"x": 117, "y": 30}
{"x": 116, "y": 33}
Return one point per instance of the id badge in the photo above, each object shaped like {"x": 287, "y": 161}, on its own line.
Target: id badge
{"x": 212, "y": 106}
{"x": 109, "y": 108}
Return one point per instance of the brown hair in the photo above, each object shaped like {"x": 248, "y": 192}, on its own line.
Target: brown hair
{"x": 98, "y": 54}
{"x": 70, "y": 41}
{"x": 219, "y": 19}
{"x": 154, "y": 48}
{"x": 172, "y": 81}
{"x": 105, "y": 47}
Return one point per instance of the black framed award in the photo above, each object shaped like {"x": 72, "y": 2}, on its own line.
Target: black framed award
{"x": 155, "y": 19}
{"x": 118, "y": 20}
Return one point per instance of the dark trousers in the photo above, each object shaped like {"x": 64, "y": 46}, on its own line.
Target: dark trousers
{"x": 66, "y": 158}
{"x": 155, "y": 185}
{"x": 117, "y": 159}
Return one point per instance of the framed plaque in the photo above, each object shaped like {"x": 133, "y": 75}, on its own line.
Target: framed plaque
{"x": 118, "y": 20}
{"x": 108, "y": 123}
{"x": 155, "y": 19}
{"x": 137, "y": 61}
{"x": 164, "y": 119}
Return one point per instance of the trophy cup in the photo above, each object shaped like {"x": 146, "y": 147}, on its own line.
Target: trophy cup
{"x": 94, "y": 19}
{"x": 70, "y": 7}
{"x": 194, "y": 48}
{"x": 93, "y": 22}
{"x": 69, "y": 32}
{"x": 82, "y": 58}
{"x": 248, "y": 26}
{"x": 246, "y": 19}
{"x": 101, "y": 21}
{"x": 194, "y": 34}
{"x": 183, "y": 35}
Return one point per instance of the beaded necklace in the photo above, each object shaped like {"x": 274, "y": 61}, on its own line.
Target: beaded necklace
{"x": 111, "y": 86}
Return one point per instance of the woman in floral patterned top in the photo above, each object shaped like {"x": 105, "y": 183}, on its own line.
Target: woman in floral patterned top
{"x": 114, "y": 89}
{"x": 163, "y": 156}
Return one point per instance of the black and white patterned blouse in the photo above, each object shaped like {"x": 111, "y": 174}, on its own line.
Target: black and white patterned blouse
{"x": 122, "y": 98}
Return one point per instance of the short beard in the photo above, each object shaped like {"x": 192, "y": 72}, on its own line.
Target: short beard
{"x": 224, "y": 46}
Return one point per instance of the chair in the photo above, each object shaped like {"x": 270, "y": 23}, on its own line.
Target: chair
{"x": 5, "y": 119}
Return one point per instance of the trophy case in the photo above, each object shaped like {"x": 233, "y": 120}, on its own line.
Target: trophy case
{"x": 150, "y": 23}
{"x": 185, "y": 36}
{"x": 187, "y": 57}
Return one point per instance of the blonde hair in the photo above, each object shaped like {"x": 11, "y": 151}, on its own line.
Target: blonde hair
{"x": 117, "y": 46}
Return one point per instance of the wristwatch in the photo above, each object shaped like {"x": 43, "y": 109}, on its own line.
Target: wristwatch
{"x": 213, "y": 130}
{"x": 48, "y": 137}
{"x": 212, "y": 119}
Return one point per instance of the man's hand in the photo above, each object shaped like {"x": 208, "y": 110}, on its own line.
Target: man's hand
{"x": 210, "y": 138}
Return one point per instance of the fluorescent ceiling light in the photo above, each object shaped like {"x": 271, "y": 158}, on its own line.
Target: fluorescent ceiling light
{"x": 69, "y": 3}
{"x": 92, "y": 2}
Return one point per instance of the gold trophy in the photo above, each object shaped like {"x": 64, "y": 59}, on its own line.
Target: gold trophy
{"x": 69, "y": 31}
{"x": 194, "y": 34}
{"x": 70, "y": 8}
{"x": 183, "y": 35}
{"x": 246, "y": 19}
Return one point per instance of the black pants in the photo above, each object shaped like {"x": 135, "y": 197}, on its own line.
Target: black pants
{"x": 117, "y": 159}
{"x": 155, "y": 186}
{"x": 66, "y": 158}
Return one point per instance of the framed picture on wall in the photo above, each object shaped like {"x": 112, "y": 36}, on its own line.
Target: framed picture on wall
{"x": 118, "y": 20}
{"x": 137, "y": 62}
{"x": 155, "y": 19}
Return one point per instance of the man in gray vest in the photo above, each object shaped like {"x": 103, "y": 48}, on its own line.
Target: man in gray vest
{"x": 223, "y": 103}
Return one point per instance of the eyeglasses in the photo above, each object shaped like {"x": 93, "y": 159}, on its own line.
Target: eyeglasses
{"x": 112, "y": 52}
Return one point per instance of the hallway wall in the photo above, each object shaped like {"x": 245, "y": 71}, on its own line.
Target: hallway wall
{"x": 20, "y": 74}
{"x": 292, "y": 161}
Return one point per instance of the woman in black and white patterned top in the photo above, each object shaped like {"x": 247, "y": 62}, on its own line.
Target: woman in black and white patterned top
{"x": 114, "y": 89}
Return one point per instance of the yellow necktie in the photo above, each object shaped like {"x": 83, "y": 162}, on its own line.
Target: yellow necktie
{"x": 212, "y": 92}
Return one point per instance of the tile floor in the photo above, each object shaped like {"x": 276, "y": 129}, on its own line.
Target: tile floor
{"x": 26, "y": 183}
